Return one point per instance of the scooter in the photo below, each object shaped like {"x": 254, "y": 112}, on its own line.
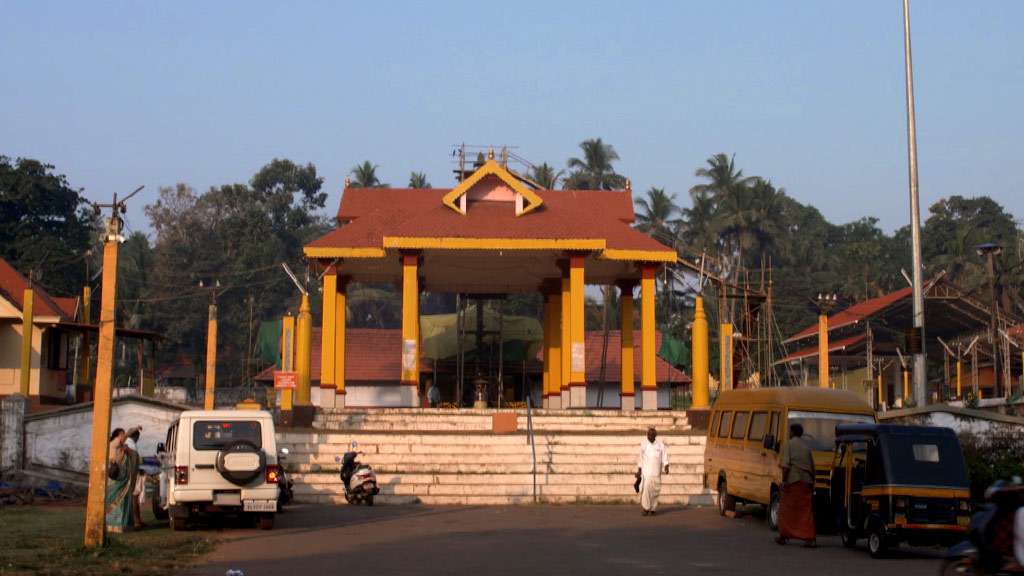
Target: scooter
{"x": 989, "y": 548}
{"x": 284, "y": 482}
{"x": 358, "y": 479}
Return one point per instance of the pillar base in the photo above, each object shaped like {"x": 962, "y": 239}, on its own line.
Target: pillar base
{"x": 410, "y": 395}
{"x": 327, "y": 397}
{"x": 339, "y": 399}
{"x": 544, "y": 403}
{"x": 566, "y": 399}
{"x": 650, "y": 399}
{"x": 628, "y": 403}
{"x": 554, "y": 402}
{"x": 578, "y": 396}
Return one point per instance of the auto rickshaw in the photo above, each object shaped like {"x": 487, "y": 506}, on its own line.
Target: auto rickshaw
{"x": 893, "y": 484}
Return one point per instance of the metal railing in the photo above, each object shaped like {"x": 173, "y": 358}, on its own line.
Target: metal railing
{"x": 533, "y": 445}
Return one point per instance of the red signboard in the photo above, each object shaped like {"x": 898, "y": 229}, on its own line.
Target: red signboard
{"x": 284, "y": 379}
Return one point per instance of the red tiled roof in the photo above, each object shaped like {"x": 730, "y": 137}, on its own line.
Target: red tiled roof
{"x": 832, "y": 347}
{"x": 372, "y": 214}
{"x": 855, "y": 313}
{"x": 13, "y": 285}
{"x": 373, "y": 354}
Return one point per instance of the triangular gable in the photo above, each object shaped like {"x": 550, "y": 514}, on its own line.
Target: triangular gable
{"x": 526, "y": 199}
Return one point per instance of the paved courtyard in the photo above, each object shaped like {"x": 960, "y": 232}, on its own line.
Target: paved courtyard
{"x": 584, "y": 540}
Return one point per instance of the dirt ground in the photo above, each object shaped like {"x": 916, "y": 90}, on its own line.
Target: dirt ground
{"x": 584, "y": 540}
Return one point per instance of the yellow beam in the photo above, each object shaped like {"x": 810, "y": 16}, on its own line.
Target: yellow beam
{"x": 648, "y": 377}
{"x": 701, "y": 392}
{"x": 456, "y": 243}
{"x": 959, "y": 375}
{"x": 725, "y": 358}
{"x": 823, "y": 379}
{"x": 906, "y": 386}
{"x": 340, "y": 320}
{"x": 639, "y": 255}
{"x": 881, "y": 391}
{"x": 577, "y": 335}
{"x": 95, "y": 510}
{"x": 338, "y": 252}
{"x": 211, "y": 358}
{"x": 411, "y": 324}
{"x": 27, "y": 319}
{"x": 303, "y": 352}
{"x": 627, "y": 384}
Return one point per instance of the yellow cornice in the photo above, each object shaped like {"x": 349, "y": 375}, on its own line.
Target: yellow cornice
{"x": 333, "y": 252}
{"x": 452, "y": 243}
{"x": 489, "y": 168}
{"x": 638, "y": 255}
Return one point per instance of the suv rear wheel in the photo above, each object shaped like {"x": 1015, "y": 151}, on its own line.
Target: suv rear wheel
{"x": 265, "y": 521}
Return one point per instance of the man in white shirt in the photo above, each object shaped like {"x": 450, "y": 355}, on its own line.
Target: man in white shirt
{"x": 653, "y": 460}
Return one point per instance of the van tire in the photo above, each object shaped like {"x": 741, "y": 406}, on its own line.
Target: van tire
{"x": 179, "y": 523}
{"x": 159, "y": 512}
{"x": 774, "y": 503}
{"x": 726, "y": 503}
{"x": 265, "y": 521}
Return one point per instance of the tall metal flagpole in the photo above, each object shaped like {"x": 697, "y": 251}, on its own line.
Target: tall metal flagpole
{"x": 920, "y": 376}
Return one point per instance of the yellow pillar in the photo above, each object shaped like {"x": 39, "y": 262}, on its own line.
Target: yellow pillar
{"x": 823, "y": 379}
{"x": 699, "y": 341}
{"x": 577, "y": 334}
{"x": 566, "y": 339}
{"x": 881, "y": 391}
{"x": 411, "y": 328}
{"x": 546, "y": 343}
{"x": 287, "y": 359}
{"x": 627, "y": 384}
{"x": 95, "y": 510}
{"x": 725, "y": 356}
{"x": 328, "y": 338}
{"x": 211, "y": 358}
{"x": 340, "y": 320}
{"x": 27, "y": 319}
{"x": 906, "y": 386}
{"x": 303, "y": 352}
{"x": 554, "y": 390}
{"x": 85, "y": 358}
{"x": 959, "y": 375}
{"x": 648, "y": 377}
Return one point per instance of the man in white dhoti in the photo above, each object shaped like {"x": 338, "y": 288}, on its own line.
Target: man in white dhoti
{"x": 653, "y": 460}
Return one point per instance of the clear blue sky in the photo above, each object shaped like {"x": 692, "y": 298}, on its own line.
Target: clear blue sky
{"x": 807, "y": 93}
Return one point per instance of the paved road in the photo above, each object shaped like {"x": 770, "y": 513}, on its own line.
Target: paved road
{"x": 581, "y": 540}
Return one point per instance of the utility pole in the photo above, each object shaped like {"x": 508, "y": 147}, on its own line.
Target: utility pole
{"x": 95, "y": 511}
{"x": 85, "y": 366}
{"x": 27, "y": 324}
{"x": 920, "y": 367}
{"x": 989, "y": 251}
{"x": 825, "y": 304}
{"x": 211, "y": 347}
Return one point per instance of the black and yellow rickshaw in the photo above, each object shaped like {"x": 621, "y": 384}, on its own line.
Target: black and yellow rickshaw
{"x": 893, "y": 484}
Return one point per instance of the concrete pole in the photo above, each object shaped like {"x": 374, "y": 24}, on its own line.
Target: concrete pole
{"x": 555, "y": 347}
{"x": 566, "y": 341}
{"x": 287, "y": 359}
{"x": 328, "y": 339}
{"x": 27, "y": 319}
{"x": 303, "y": 351}
{"x": 823, "y": 376}
{"x": 699, "y": 338}
{"x": 627, "y": 384}
{"x": 577, "y": 335}
{"x": 725, "y": 355}
{"x": 211, "y": 359}
{"x": 95, "y": 511}
{"x": 340, "y": 321}
{"x": 85, "y": 364}
{"x": 648, "y": 376}
{"x": 920, "y": 365}
{"x": 411, "y": 328}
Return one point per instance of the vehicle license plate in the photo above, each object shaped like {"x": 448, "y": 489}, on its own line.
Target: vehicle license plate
{"x": 227, "y": 499}
{"x": 259, "y": 506}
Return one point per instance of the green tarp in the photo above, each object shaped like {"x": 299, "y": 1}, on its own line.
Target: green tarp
{"x": 674, "y": 351}
{"x": 268, "y": 342}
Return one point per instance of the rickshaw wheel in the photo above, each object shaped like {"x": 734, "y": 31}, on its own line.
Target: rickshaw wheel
{"x": 773, "y": 510}
{"x": 878, "y": 543}
{"x": 726, "y": 503}
{"x": 847, "y": 537}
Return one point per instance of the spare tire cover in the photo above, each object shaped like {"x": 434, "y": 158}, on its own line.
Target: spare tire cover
{"x": 241, "y": 462}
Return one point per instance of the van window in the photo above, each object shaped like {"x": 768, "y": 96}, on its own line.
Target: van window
{"x": 713, "y": 426}
{"x": 739, "y": 425}
{"x": 758, "y": 422}
{"x": 216, "y": 434}
{"x": 723, "y": 425}
{"x": 774, "y": 427}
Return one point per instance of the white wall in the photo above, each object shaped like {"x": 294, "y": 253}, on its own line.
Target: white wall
{"x": 63, "y": 439}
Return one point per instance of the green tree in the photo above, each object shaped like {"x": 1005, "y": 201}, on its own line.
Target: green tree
{"x": 365, "y": 176}
{"x": 545, "y": 176}
{"x": 418, "y": 180}
{"x": 655, "y": 215}
{"x": 594, "y": 171}
{"x": 46, "y": 226}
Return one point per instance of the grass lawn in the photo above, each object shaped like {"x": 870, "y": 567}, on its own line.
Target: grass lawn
{"x": 47, "y": 540}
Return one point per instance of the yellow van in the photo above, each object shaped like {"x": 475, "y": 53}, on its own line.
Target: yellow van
{"x": 746, "y": 432}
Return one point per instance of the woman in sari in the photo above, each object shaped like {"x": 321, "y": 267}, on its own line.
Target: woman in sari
{"x": 120, "y": 485}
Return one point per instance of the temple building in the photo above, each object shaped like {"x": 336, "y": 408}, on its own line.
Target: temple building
{"x": 495, "y": 233}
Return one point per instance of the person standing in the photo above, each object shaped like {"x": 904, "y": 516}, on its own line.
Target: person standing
{"x": 433, "y": 394}
{"x": 653, "y": 460}
{"x": 796, "y": 507}
{"x": 139, "y": 491}
{"x": 122, "y": 465}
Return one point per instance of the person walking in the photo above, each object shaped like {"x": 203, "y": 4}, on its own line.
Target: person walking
{"x": 652, "y": 461}
{"x": 796, "y": 507}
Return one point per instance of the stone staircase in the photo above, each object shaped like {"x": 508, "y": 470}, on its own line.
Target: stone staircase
{"x": 453, "y": 457}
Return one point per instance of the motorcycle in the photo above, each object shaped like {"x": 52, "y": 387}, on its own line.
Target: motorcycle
{"x": 284, "y": 482}
{"x": 358, "y": 479}
{"x": 989, "y": 548}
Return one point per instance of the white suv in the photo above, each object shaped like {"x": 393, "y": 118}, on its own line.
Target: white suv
{"x": 220, "y": 461}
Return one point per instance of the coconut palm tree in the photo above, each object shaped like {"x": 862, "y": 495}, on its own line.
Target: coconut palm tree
{"x": 418, "y": 180}
{"x": 594, "y": 171}
{"x": 545, "y": 176}
{"x": 654, "y": 215}
{"x": 365, "y": 176}
{"x": 697, "y": 229}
